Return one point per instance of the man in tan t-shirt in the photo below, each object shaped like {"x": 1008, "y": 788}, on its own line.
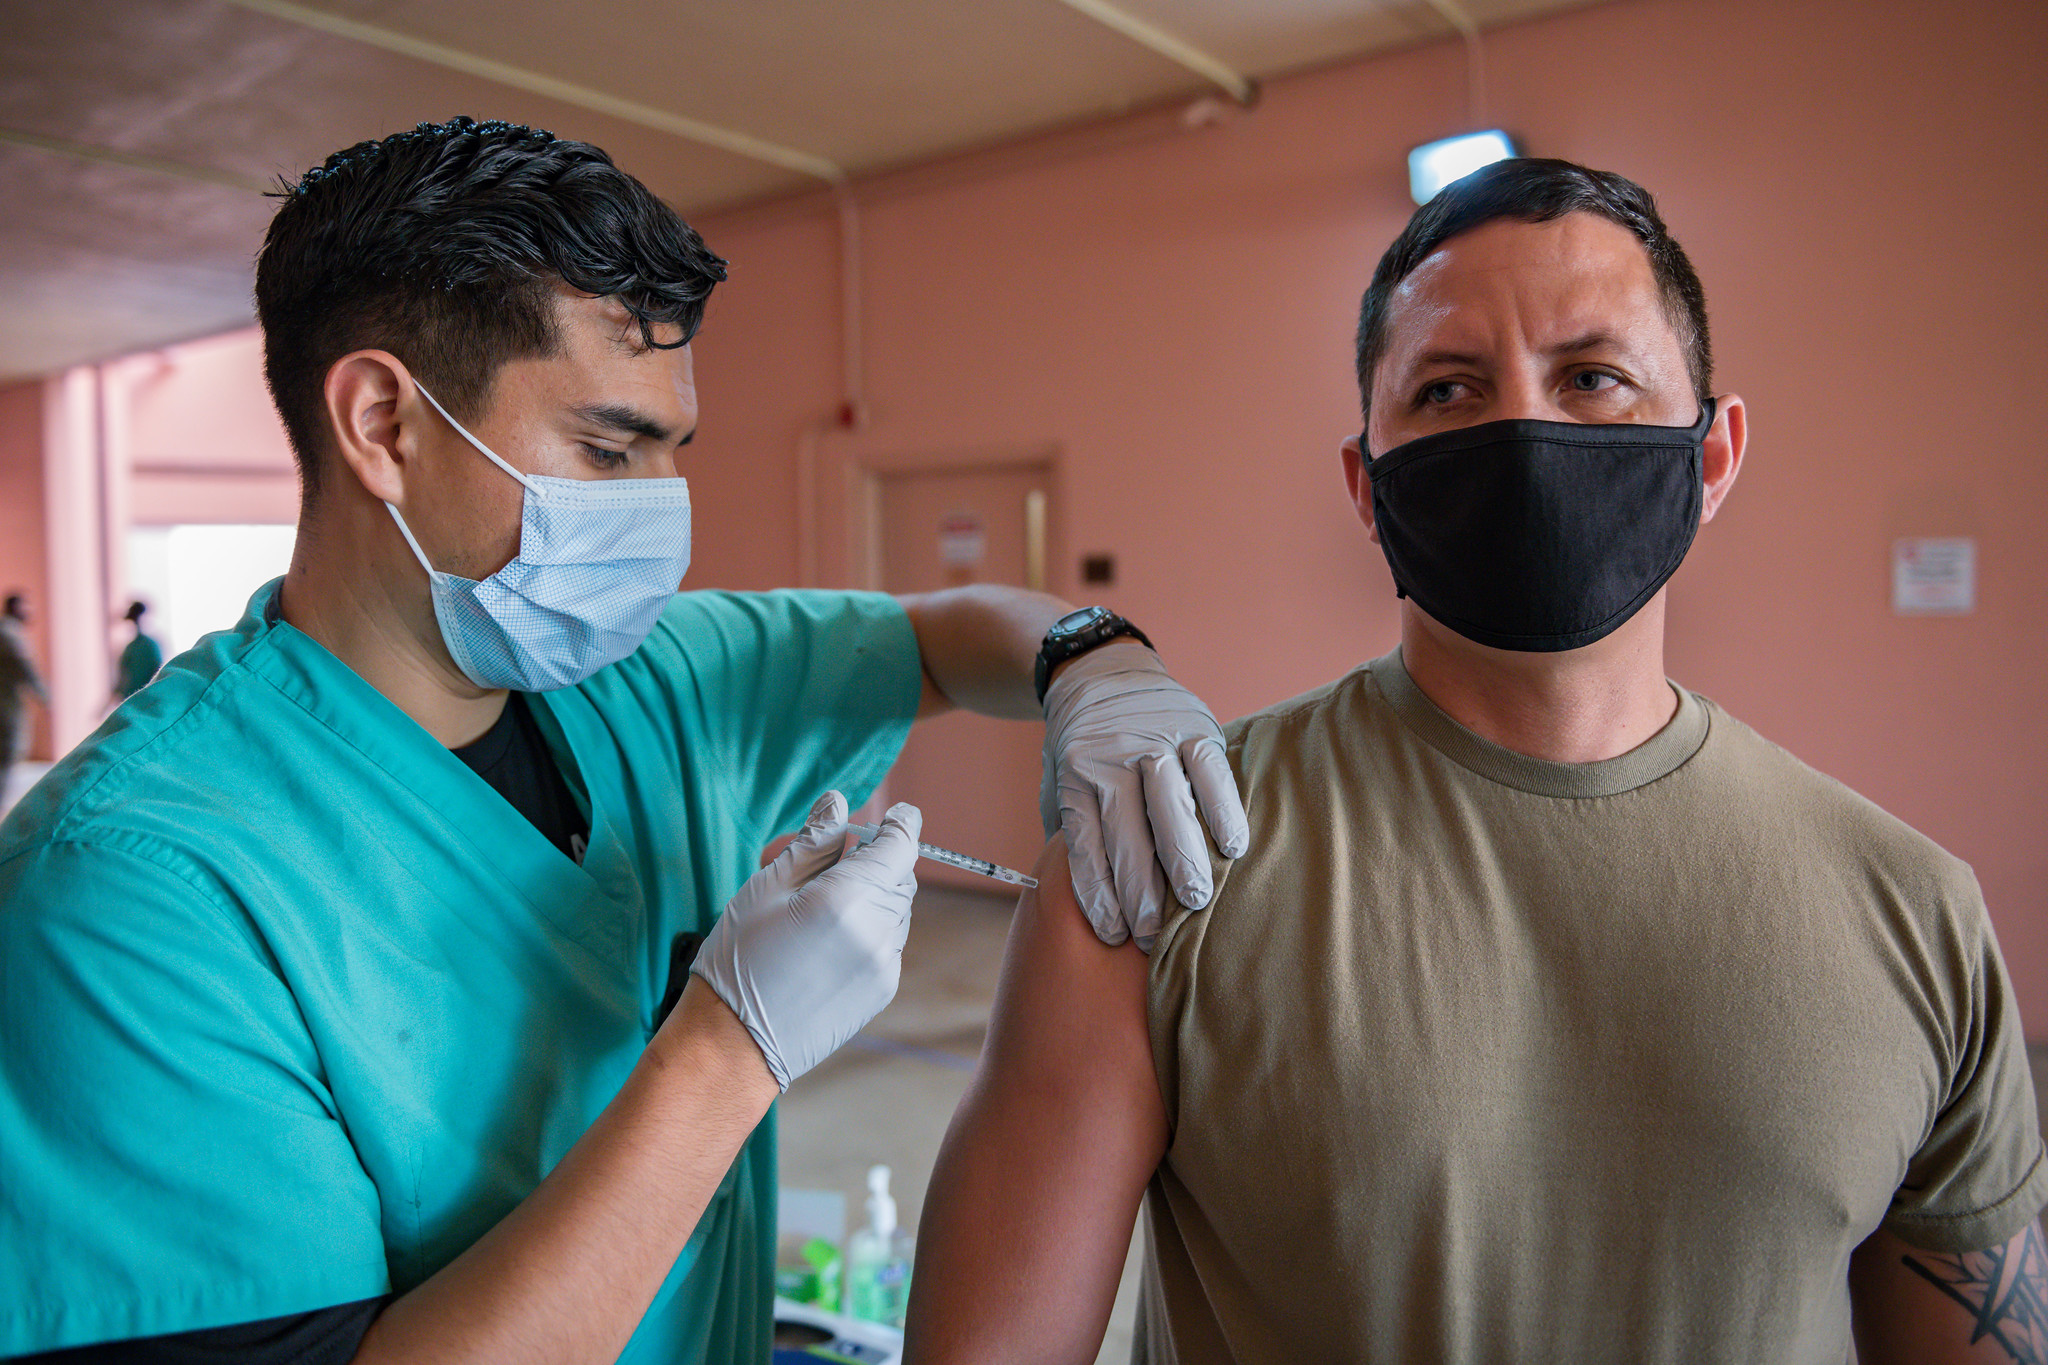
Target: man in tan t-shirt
{"x": 1555, "y": 1015}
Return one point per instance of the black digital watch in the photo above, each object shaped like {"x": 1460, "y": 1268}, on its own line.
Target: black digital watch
{"x": 1075, "y": 634}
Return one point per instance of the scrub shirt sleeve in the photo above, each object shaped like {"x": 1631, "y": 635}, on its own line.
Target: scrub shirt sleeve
{"x": 170, "y": 1158}
{"x": 796, "y": 691}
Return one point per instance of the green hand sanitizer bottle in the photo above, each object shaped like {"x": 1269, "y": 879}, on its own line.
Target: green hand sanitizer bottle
{"x": 878, "y": 1259}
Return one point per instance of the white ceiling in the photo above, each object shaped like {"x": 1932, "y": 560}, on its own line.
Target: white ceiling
{"x": 199, "y": 101}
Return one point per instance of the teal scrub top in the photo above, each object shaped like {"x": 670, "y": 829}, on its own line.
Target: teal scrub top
{"x": 294, "y": 1007}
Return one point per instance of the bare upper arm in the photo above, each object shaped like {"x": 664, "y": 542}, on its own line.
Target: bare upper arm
{"x": 1037, "y": 1185}
{"x": 931, "y": 698}
{"x": 1934, "y": 1308}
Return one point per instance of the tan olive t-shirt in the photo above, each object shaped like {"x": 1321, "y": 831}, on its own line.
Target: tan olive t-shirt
{"x": 1481, "y": 1058}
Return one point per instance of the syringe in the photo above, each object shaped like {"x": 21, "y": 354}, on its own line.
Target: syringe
{"x": 982, "y": 866}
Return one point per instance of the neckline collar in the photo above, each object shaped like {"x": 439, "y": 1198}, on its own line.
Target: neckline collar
{"x": 340, "y": 699}
{"x": 1658, "y": 756}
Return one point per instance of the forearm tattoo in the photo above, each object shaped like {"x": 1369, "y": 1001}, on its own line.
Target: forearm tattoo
{"x": 2005, "y": 1292}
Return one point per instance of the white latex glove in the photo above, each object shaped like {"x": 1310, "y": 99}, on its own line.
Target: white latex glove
{"x": 812, "y": 946}
{"x": 1129, "y": 753}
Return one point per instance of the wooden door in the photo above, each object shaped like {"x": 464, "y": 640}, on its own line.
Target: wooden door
{"x": 976, "y": 779}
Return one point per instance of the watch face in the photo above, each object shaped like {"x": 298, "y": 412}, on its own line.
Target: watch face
{"x": 1075, "y": 621}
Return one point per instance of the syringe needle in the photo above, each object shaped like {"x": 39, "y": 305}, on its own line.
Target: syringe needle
{"x": 979, "y": 866}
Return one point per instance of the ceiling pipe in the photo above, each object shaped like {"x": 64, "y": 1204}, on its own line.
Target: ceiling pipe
{"x": 1170, "y": 46}
{"x": 133, "y": 161}
{"x": 539, "y": 83}
{"x": 851, "y": 413}
{"x": 1454, "y": 14}
{"x": 851, "y": 416}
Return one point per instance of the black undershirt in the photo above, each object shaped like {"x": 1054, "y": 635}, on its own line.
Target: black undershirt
{"x": 513, "y": 757}
{"x": 327, "y": 1336}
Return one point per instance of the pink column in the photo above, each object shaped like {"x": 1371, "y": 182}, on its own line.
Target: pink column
{"x": 79, "y": 663}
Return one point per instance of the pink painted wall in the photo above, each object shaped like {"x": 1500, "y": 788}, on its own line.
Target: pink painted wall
{"x": 1170, "y": 311}
{"x": 79, "y": 661}
{"x": 24, "y": 564}
{"x": 186, "y": 434}
{"x": 1861, "y": 185}
{"x": 202, "y": 442}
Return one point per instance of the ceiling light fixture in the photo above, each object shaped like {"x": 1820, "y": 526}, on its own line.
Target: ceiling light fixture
{"x": 1434, "y": 165}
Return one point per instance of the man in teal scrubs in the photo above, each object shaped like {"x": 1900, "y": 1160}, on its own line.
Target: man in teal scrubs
{"x": 348, "y": 1008}
{"x": 139, "y": 659}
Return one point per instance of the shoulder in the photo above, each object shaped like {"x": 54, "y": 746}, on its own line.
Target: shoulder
{"x": 148, "y": 799}
{"x": 182, "y": 742}
{"x": 116, "y": 915}
{"x": 1835, "y": 821}
{"x": 1291, "y": 760}
{"x": 1336, "y": 737}
{"x": 1270, "y": 733}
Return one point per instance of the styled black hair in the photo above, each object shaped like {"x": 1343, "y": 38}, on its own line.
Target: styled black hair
{"x": 136, "y": 610}
{"x": 444, "y": 245}
{"x": 1537, "y": 190}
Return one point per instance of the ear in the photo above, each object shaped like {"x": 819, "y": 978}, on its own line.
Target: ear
{"x": 1359, "y": 484}
{"x": 1721, "y": 453}
{"x": 364, "y": 393}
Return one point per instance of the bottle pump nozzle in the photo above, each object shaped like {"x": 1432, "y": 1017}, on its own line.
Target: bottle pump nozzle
{"x": 881, "y": 1208}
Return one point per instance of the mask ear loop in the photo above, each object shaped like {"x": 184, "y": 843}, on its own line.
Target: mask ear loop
{"x": 406, "y": 531}
{"x": 488, "y": 453}
{"x": 1709, "y": 409}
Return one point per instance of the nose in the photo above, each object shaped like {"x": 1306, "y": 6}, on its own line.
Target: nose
{"x": 1524, "y": 391}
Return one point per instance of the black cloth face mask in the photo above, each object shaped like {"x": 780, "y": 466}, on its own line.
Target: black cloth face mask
{"x": 1539, "y": 536}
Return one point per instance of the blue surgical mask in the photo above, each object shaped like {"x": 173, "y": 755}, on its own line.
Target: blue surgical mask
{"x": 598, "y": 560}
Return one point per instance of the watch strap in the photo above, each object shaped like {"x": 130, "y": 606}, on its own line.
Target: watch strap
{"x": 1063, "y": 642}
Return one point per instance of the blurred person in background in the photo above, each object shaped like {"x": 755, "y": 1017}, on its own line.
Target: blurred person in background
{"x": 140, "y": 658}
{"x": 19, "y": 681}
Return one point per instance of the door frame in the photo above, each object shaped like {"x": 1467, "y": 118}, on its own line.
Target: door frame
{"x": 864, "y": 475}
{"x": 861, "y": 489}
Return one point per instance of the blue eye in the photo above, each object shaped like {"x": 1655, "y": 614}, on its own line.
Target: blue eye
{"x": 1443, "y": 391}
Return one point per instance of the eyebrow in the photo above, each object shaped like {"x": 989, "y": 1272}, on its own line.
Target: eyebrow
{"x": 1589, "y": 341}
{"x": 618, "y": 417}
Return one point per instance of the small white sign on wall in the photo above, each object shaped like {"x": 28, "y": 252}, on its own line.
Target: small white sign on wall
{"x": 963, "y": 540}
{"x": 1934, "y": 575}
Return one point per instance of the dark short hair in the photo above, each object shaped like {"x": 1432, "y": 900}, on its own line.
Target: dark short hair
{"x": 137, "y": 610}
{"x": 444, "y": 246}
{"x": 1537, "y": 190}
{"x": 12, "y": 607}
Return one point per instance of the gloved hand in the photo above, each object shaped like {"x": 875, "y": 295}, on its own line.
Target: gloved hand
{"x": 1129, "y": 753}
{"x": 812, "y": 946}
